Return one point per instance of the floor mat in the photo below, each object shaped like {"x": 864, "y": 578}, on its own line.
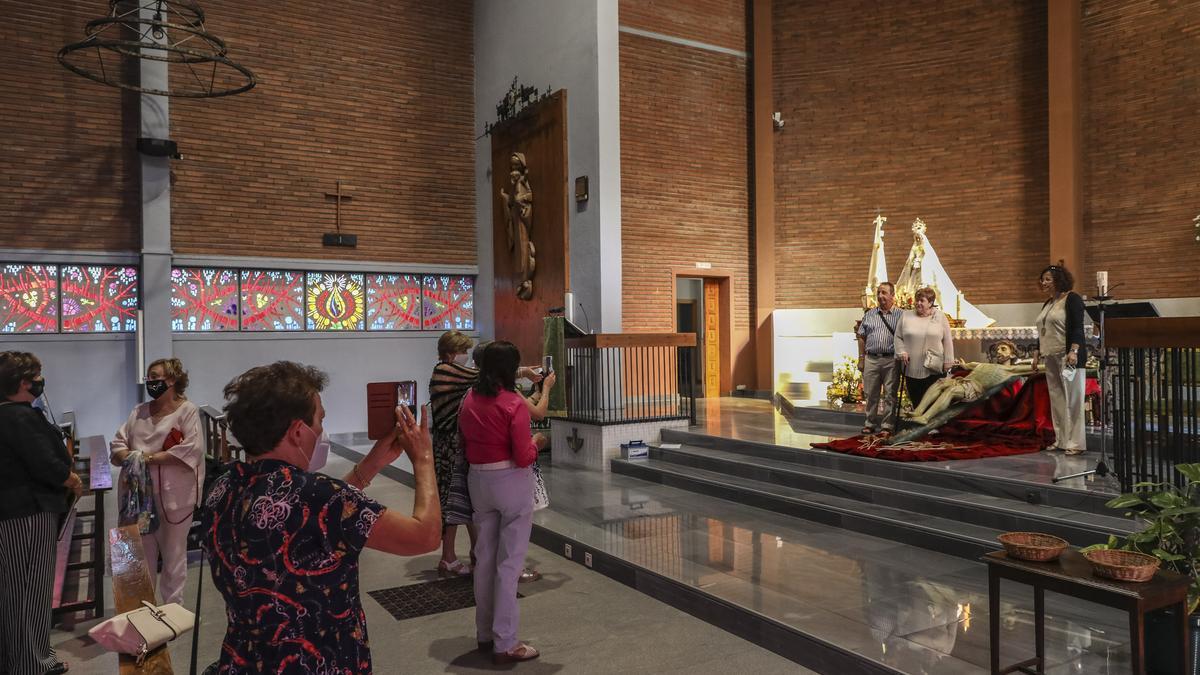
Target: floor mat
{"x": 431, "y": 597}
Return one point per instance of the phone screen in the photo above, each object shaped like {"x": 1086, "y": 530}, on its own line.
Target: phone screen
{"x": 547, "y": 364}
{"x": 406, "y": 395}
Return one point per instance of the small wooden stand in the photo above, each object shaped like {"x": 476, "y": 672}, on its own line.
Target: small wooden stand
{"x": 1072, "y": 575}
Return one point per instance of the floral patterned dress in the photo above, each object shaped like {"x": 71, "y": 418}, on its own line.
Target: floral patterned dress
{"x": 284, "y": 546}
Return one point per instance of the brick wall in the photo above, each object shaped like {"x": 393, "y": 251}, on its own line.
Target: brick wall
{"x": 69, "y": 173}
{"x": 921, "y": 109}
{"x": 381, "y": 100}
{"x": 1141, "y": 144}
{"x": 721, "y": 23}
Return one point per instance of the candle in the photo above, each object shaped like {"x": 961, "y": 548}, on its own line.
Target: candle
{"x": 1102, "y": 283}
{"x": 958, "y": 305}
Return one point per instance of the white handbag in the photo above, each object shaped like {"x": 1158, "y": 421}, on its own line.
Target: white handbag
{"x": 139, "y": 632}
{"x": 934, "y": 361}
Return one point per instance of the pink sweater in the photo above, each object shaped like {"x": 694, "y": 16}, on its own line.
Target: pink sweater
{"x": 496, "y": 428}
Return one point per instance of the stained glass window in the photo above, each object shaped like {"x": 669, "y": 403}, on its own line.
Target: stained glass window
{"x": 99, "y": 298}
{"x": 449, "y": 302}
{"x": 393, "y": 302}
{"x": 29, "y": 298}
{"x": 272, "y": 300}
{"x": 334, "y": 301}
{"x": 204, "y": 299}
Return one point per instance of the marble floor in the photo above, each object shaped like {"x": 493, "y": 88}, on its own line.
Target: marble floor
{"x": 915, "y": 610}
{"x": 757, "y": 420}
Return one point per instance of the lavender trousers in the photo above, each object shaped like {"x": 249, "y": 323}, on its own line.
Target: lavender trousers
{"x": 503, "y": 502}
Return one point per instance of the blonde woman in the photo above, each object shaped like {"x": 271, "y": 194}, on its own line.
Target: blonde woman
{"x": 166, "y": 431}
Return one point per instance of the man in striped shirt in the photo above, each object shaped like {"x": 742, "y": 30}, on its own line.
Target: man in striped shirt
{"x": 877, "y": 361}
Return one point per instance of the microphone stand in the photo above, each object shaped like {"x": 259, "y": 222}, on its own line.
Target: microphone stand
{"x": 1102, "y": 468}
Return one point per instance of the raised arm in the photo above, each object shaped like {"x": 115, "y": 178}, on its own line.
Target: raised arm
{"x": 395, "y": 532}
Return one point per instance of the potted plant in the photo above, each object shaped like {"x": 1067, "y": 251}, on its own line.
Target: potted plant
{"x": 1172, "y": 534}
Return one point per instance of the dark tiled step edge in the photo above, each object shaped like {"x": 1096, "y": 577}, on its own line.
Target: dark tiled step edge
{"x": 912, "y": 472}
{"x": 786, "y": 641}
{"x": 792, "y": 644}
{"x": 1003, "y": 514}
{"x": 936, "y": 534}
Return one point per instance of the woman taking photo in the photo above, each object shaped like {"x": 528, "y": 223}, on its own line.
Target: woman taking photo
{"x": 923, "y": 345}
{"x": 500, "y": 448}
{"x": 36, "y": 487}
{"x": 166, "y": 433}
{"x": 451, "y": 380}
{"x": 1061, "y": 345}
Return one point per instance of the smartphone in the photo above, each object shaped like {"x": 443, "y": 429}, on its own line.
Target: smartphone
{"x": 547, "y": 365}
{"x": 382, "y": 399}
{"x": 406, "y": 395}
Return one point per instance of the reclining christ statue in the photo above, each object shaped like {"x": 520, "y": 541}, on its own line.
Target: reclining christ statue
{"x": 947, "y": 391}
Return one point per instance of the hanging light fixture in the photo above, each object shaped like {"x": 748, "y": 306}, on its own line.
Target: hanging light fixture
{"x": 168, "y": 31}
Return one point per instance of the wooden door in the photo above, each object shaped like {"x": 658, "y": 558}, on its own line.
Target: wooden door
{"x": 712, "y": 338}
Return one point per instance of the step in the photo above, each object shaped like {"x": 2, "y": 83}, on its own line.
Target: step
{"x": 1006, "y": 514}
{"x": 938, "y": 475}
{"x": 944, "y": 535}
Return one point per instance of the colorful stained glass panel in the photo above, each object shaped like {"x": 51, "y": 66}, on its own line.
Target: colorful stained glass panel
{"x": 393, "y": 302}
{"x": 204, "y": 299}
{"x": 99, "y": 299}
{"x": 28, "y": 298}
{"x": 448, "y": 302}
{"x": 335, "y": 301}
{"x": 272, "y": 300}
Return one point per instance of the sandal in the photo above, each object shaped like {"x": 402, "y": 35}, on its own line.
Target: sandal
{"x": 528, "y": 575}
{"x": 867, "y": 431}
{"x": 453, "y": 570}
{"x": 522, "y": 652}
{"x": 59, "y": 669}
{"x": 1073, "y": 451}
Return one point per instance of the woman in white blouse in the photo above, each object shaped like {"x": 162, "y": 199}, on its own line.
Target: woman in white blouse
{"x": 166, "y": 430}
{"x": 923, "y": 345}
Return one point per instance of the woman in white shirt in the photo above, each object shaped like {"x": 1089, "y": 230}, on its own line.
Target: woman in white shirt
{"x": 166, "y": 430}
{"x": 923, "y": 345}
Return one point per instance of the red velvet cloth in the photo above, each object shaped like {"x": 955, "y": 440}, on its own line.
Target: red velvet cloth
{"x": 1015, "y": 421}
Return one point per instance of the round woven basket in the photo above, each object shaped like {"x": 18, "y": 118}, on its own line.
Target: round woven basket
{"x": 1033, "y": 546}
{"x": 1123, "y": 565}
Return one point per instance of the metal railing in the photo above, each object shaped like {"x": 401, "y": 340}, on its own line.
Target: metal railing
{"x": 1155, "y": 398}
{"x": 629, "y": 378}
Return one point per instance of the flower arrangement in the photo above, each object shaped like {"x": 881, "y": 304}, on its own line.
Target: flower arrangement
{"x": 847, "y": 382}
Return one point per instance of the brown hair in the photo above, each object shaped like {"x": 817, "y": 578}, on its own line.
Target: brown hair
{"x": 262, "y": 402}
{"x": 452, "y": 342}
{"x": 927, "y": 293}
{"x": 890, "y": 285}
{"x": 15, "y": 368}
{"x": 1063, "y": 279}
{"x": 173, "y": 370}
{"x": 498, "y": 372}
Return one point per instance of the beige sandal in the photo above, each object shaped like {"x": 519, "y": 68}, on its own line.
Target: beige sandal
{"x": 522, "y": 652}
{"x": 453, "y": 570}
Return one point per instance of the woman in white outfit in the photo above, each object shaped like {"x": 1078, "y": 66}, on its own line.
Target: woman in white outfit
{"x": 166, "y": 430}
{"x": 923, "y": 345}
{"x": 1061, "y": 346}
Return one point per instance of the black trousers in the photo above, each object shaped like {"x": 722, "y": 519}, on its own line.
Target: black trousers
{"x": 26, "y": 593}
{"x": 918, "y": 386}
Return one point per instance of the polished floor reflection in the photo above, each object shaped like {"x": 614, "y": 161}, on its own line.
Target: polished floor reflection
{"x": 916, "y": 610}
{"x": 757, "y": 420}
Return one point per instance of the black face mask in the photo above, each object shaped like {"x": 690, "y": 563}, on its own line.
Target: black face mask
{"x": 156, "y": 388}
{"x": 37, "y": 387}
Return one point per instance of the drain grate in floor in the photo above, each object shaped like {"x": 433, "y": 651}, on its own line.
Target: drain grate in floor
{"x": 431, "y": 597}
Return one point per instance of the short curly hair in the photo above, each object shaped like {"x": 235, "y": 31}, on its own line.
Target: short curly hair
{"x": 1063, "y": 279}
{"x": 262, "y": 403}
{"x": 927, "y": 293}
{"x": 15, "y": 368}
{"x": 453, "y": 342}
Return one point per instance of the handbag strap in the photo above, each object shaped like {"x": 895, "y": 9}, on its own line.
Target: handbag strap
{"x": 161, "y": 616}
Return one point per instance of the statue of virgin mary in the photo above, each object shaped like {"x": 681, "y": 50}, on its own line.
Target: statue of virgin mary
{"x": 924, "y": 269}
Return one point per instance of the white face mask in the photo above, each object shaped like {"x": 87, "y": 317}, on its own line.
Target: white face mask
{"x": 462, "y": 359}
{"x": 320, "y": 452}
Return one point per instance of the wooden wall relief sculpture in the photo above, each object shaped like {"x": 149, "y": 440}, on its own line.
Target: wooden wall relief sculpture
{"x": 518, "y": 221}
{"x": 530, "y": 216}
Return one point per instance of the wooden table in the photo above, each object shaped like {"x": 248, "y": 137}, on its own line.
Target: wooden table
{"x": 92, "y": 464}
{"x": 131, "y": 585}
{"x": 1072, "y": 575}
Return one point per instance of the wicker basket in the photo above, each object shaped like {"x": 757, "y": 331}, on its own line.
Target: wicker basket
{"x": 1033, "y": 546}
{"x": 1123, "y": 565}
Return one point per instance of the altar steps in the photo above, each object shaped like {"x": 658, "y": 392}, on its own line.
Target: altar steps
{"x": 954, "y": 517}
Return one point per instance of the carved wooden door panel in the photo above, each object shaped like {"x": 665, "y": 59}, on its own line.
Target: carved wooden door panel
{"x": 712, "y": 338}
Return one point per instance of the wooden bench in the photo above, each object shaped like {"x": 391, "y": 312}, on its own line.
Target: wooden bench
{"x": 131, "y": 585}
{"x": 92, "y": 465}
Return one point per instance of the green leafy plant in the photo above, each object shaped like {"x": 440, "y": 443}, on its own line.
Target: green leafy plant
{"x": 1172, "y": 532}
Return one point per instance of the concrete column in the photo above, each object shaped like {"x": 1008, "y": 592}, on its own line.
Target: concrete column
{"x": 156, "y": 213}
{"x": 1066, "y": 133}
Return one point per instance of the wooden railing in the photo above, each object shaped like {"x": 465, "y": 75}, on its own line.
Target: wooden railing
{"x": 1155, "y": 398}
{"x": 631, "y": 377}
{"x": 85, "y": 524}
{"x": 216, "y": 435}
